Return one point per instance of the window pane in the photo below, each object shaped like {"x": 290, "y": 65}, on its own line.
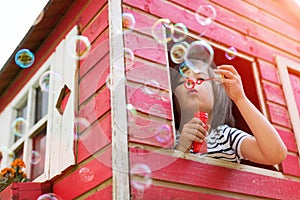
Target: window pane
{"x": 41, "y": 106}
{"x": 38, "y": 154}
{"x": 19, "y": 153}
{"x": 21, "y": 112}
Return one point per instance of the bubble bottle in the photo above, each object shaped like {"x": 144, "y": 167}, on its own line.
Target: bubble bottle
{"x": 201, "y": 147}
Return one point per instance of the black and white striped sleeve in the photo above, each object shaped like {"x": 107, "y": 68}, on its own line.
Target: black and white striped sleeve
{"x": 236, "y": 137}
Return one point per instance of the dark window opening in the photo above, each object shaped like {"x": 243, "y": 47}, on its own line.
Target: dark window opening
{"x": 41, "y": 104}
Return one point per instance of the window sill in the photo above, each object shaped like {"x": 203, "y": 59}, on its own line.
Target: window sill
{"x": 210, "y": 161}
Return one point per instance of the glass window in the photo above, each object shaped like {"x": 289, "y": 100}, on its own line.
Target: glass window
{"x": 21, "y": 113}
{"x": 37, "y": 158}
{"x": 19, "y": 153}
{"x": 41, "y": 105}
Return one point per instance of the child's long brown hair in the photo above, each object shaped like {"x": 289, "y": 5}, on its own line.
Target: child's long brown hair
{"x": 222, "y": 108}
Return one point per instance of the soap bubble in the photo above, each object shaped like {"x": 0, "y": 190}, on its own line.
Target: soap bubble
{"x": 141, "y": 177}
{"x": 164, "y": 134}
{"x": 205, "y": 14}
{"x": 49, "y": 196}
{"x": 230, "y": 53}
{"x": 151, "y": 87}
{"x": 19, "y": 126}
{"x": 44, "y": 81}
{"x": 78, "y": 46}
{"x": 129, "y": 58}
{"x": 35, "y": 157}
{"x": 131, "y": 109}
{"x": 80, "y": 125}
{"x": 159, "y": 33}
{"x": 178, "y": 52}
{"x": 86, "y": 175}
{"x": 200, "y": 54}
{"x": 128, "y": 21}
{"x": 180, "y": 32}
{"x": 185, "y": 70}
{"x": 24, "y": 58}
{"x": 6, "y": 153}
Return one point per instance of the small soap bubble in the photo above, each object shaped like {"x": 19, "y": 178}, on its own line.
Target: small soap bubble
{"x": 180, "y": 32}
{"x": 19, "y": 126}
{"x": 6, "y": 152}
{"x": 79, "y": 46}
{"x": 49, "y": 196}
{"x": 24, "y": 58}
{"x": 178, "y": 52}
{"x": 128, "y": 21}
{"x": 230, "y": 53}
{"x": 164, "y": 134}
{"x": 35, "y": 157}
{"x": 129, "y": 58}
{"x": 159, "y": 33}
{"x": 131, "y": 109}
{"x": 205, "y": 14}
{"x": 185, "y": 70}
{"x": 151, "y": 87}
{"x": 44, "y": 81}
{"x": 141, "y": 177}
{"x": 200, "y": 54}
{"x": 80, "y": 125}
{"x": 86, "y": 175}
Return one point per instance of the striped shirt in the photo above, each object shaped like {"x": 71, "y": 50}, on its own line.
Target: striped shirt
{"x": 224, "y": 143}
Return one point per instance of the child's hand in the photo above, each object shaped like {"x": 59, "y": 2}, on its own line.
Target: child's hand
{"x": 232, "y": 82}
{"x": 194, "y": 130}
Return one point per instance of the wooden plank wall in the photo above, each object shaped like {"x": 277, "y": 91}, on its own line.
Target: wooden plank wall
{"x": 254, "y": 28}
{"x": 91, "y": 178}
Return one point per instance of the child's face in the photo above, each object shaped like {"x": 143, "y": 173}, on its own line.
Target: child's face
{"x": 199, "y": 98}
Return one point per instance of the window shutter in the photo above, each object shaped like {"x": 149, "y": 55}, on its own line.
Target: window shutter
{"x": 61, "y": 125}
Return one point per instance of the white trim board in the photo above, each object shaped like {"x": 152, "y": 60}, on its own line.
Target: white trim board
{"x": 284, "y": 65}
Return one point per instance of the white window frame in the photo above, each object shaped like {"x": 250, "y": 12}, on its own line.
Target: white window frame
{"x": 59, "y": 153}
{"x": 284, "y": 65}
{"x": 28, "y": 93}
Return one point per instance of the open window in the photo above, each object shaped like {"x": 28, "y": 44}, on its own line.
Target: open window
{"x": 246, "y": 67}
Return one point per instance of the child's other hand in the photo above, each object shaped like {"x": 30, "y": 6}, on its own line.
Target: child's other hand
{"x": 232, "y": 82}
{"x": 194, "y": 130}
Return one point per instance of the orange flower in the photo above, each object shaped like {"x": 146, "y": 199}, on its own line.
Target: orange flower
{"x": 24, "y": 175}
{"x": 5, "y": 171}
{"x": 8, "y": 171}
{"x": 18, "y": 163}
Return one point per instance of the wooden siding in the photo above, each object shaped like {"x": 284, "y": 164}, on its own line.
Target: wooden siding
{"x": 254, "y": 28}
{"x": 94, "y": 139}
{"x": 203, "y": 175}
